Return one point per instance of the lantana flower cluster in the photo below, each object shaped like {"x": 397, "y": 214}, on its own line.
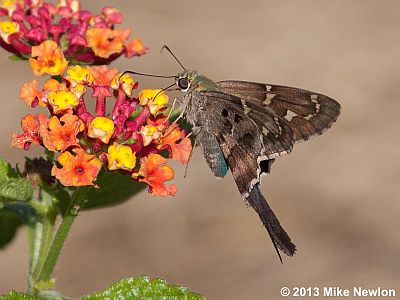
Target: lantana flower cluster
{"x": 127, "y": 132}
{"x": 81, "y": 36}
{"x": 135, "y": 137}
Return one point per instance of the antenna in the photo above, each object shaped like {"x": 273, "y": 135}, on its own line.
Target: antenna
{"x": 164, "y": 89}
{"x": 144, "y": 74}
{"x": 169, "y": 50}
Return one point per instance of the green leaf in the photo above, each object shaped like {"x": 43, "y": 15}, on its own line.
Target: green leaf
{"x": 13, "y": 295}
{"x": 15, "y": 189}
{"x": 12, "y": 187}
{"x": 15, "y": 57}
{"x": 144, "y": 288}
{"x": 9, "y": 223}
{"x": 64, "y": 42}
{"x": 4, "y": 169}
{"x": 115, "y": 188}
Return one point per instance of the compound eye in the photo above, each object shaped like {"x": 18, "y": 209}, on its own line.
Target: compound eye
{"x": 183, "y": 83}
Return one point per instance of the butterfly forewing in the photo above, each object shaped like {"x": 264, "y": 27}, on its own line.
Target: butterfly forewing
{"x": 306, "y": 112}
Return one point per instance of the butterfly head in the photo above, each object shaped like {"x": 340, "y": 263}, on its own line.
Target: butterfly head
{"x": 192, "y": 80}
{"x": 185, "y": 79}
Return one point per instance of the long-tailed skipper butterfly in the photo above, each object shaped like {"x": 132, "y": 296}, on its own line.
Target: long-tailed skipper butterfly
{"x": 244, "y": 126}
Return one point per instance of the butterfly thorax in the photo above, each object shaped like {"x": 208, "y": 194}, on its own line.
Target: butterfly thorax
{"x": 197, "y": 81}
{"x": 193, "y": 102}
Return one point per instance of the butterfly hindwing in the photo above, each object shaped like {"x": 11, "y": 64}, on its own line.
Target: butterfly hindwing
{"x": 212, "y": 153}
{"x": 306, "y": 112}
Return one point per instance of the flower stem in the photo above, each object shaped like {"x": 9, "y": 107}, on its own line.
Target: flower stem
{"x": 60, "y": 236}
{"x": 48, "y": 229}
{"x": 34, "y": 238}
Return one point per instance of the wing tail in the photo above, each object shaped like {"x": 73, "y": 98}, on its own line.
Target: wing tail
{"x": 278, "y": 235}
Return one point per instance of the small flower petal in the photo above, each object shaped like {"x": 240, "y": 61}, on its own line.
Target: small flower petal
{"x": 120, "y": 157}
{"x": 154, "y": 172}
{"x": 78, "y": 74}
{"x": 112, "y": 15}
{"x": 126, "y": 82}
{"x": 77, "y": 170}
{"x": 156, "y": 100}
{"x": 136, "y": 48}
{"x": 181, "y": 146}
{"x": 101, "y": 128}
{"x": 58, "y": 136}
{"x": 62, "y": 100}
{"x": 30, "y": 94}
{"x": 30, "y": 125}
{"x": 47, "y": 58}
{"x": 102, "y": 75}
{"x": 105, "y": 41}
{"x": 7, "y": 28}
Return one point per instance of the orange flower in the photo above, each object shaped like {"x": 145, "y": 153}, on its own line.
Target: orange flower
{"x": 180, "y": 146}
{"x": 30, "y": 124}
{"x": 154, "y": 172}
{"x": 105, "y": 41}
{"x": 47, "y": 58}
{"x": 136, "y": 48}
{"x": 77, "y": 170}
{"x": 58, "y": 136}
{"x": 102, "y": 75}
{"x": 30, "y": 94}
{"x": 52, "y": 85}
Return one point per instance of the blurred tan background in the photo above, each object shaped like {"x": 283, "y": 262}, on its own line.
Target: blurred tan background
{"x": 337, "y": 195}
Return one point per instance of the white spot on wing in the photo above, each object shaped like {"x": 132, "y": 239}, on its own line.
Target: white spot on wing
{"x": 314, "y": 98}
{"x": 269, "y": 98}
{"x": 246, "y": 109}
{"x": 290, "y": 115}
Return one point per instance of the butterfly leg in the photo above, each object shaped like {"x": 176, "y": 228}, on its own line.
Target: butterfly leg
{"x": 278, "y": 235}
{"x": 190, "y": 156}
{"x": 172, "y": 108}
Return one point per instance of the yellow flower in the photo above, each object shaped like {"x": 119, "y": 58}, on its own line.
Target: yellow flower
{"x": 47, "y": 58}
{"x": 78, "y": 90}
{"x": 78, "y": 74}
{"x": 62, "y": 100}
{"x": 101, "y": 128}
{"x": 149, "y": 133}
{"x": 120, "y": 157}
{"x": 146, "y": 97}
{"x": 10, "y": 5}
{"x": 7, "y": 28}
{"x": 126, "y": 82}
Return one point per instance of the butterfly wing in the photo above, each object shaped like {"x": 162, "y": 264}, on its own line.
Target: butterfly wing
{"x": 212, "y": 153}
{"x": 241, "y": 141}
{"x": 306, "y": 112}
